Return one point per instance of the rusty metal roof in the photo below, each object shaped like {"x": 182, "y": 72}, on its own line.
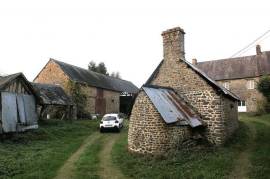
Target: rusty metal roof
{"x": 51, "y": 94}
{"x": 91, "y": 78}
{"x": 235, "y": 68}
{"x": 171, "y": 107}
{"x": 212, "y": 82}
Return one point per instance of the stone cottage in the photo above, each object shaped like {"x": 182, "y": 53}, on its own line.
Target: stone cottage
{"x": 102, "y": 92}
{"x": 240, "y": 75}
{"x": 179, "y": 102}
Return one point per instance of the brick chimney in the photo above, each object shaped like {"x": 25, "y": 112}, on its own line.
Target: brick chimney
{"x": 173, "y": 44}
{"x": 258, "y": 50}
{"x": 194, "y": 61}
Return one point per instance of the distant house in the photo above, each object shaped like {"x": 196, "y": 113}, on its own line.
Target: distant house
{"x": 102, "y": 92}
{"x": 240, "y": 75}
{"x": 18, "y": 104}
{"x": 178, "y": 103}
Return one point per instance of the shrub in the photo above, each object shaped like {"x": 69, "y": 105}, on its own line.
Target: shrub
{"x": 263, "y": 87}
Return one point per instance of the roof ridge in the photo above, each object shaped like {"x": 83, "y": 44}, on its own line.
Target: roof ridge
{"x": 234, "y": 58}
{"x": 90, "y": 71}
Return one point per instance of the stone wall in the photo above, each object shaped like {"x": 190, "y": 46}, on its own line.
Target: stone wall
{"x": 52, "y": 74}
{"x": 148, "y": 133}
{"x": 112, "y": 101}
{"x": 90, "y": 93}
{"x": 251, "y": 96}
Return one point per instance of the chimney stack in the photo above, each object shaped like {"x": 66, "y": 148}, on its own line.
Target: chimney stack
{"x": 194, "y": 61}
{"x": 258, "y": 50}
{"x": 173, "y": 44}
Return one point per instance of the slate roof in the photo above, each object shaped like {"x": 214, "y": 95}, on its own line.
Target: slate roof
{"x": 51, "y": 94}
{"x": 237, "y": 68}
{"x": 212, "y": 82}
{"x": 96, "y": 79}
{"x": 171, "y": 107}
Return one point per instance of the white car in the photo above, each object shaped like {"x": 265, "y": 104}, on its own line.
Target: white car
{"x": 111, "y": 121}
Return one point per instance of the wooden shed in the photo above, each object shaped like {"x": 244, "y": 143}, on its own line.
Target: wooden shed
{"x": 54, "y": 101}
{"x": 18, "y": 104}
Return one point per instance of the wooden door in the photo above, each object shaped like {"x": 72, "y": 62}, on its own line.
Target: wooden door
{"x": 100, "y": 104}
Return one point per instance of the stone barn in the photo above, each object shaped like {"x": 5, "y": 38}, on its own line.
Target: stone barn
{"x": 18, "y": 104}
{"x": 102, "y": 92}
{"x": 180, "y": 102}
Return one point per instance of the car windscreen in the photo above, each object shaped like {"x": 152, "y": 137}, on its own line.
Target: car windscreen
{"x": 109, "y": 118}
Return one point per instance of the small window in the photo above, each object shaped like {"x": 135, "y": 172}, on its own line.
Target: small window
{"x": 250, "y": 84}
{"x": 241, "y": 103}
{"x": 226, "y": 85}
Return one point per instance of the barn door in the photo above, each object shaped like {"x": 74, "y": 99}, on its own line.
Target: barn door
{"x": 9, "y": 112}
{"x": 100, "y": 104}
{"x": 17, "y": 109}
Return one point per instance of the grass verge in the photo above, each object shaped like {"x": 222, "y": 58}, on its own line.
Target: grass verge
{"x": 207, "y": 163}
{"x": 40, "y": 153}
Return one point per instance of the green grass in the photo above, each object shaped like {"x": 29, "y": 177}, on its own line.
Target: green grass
{"x": 207, "y": 163}
{"x": 40, "y": 153}
{"x": 88, "y": 163}
{"x": 260, "y": 153}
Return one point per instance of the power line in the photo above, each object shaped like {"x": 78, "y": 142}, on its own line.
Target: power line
{"x": 252, "y": 43}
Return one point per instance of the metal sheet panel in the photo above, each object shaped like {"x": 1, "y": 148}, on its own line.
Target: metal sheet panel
{"x": 171, "y": 107}
{"x": 21, "y": 109}
{"x": 30, "y": 109}
{"x": 9, "y": 112}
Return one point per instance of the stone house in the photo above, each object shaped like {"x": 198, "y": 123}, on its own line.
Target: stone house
{"x": 179, "y": 102}
{"x": 240, "y": 76}
{"x": 102, "y": 92}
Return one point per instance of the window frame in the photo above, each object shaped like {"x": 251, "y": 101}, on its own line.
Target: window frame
{"x": 251, "y": 84}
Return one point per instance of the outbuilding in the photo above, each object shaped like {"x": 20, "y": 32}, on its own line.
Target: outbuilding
{"x": 54, "y": 102}
{"x": 18, "y": 104}
{"x": 180, "y": 102}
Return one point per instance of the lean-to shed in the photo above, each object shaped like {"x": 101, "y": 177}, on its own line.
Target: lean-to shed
{"x": 18, "y": 104}
{"x": 53, "y": 99}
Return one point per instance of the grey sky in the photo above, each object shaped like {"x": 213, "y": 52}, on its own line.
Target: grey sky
{"x": 123, "y": 34}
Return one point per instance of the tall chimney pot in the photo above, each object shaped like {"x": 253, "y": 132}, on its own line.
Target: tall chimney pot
{"x": 194, "y": 61}
{"x": 258, "y": 50}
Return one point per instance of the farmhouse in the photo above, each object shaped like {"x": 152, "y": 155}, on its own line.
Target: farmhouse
{"x": 102, "y": 92}
{"x": 18, "y": 104}
{"x": 179, "y": 102}
{"x": 240, "y": 76}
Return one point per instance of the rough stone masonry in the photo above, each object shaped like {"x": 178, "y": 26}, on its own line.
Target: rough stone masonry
{"x": 149, "y": 134}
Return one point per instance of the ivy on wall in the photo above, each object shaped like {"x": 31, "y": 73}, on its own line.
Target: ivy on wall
{"x": 78, "y": 97}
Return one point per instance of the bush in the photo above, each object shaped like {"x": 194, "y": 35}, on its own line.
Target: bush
{"x": 263, "y": 87}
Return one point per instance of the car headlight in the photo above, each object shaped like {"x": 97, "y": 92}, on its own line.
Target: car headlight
{"x": 116, "y": 121}
{"x": 101, "y": 122}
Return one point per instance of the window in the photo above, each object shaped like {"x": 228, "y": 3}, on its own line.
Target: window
{"x": 250, "y": 84}
{"x": 226, "y": 85}
{"x": 241, "y": 103}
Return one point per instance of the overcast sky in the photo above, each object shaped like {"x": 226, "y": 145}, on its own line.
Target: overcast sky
{"x": 123, "y": 34}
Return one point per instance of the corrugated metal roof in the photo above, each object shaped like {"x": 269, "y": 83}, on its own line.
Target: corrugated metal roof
{"x": 235, "y": 68}
{"x": 171, "y": 107}
{"x": 5, "y": 80}
{"x": 96, "y": 79}
{"x": 51, "y": 94}
{"x": 212, "y": 82}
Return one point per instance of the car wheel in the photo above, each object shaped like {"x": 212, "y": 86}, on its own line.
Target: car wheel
{"x": 101, "y": 130}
